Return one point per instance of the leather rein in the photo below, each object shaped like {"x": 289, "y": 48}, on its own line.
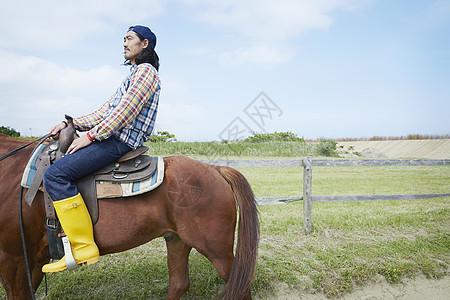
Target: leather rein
{"x": 24, "y": 146}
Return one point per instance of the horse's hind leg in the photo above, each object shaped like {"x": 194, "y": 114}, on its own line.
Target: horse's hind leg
{"x": 223, "y": 264}
{"x": 222, "y": 257}
{"x": 177, "y": 260}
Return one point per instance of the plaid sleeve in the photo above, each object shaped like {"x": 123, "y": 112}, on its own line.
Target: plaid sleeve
{"x": 89, "y": 121}
{"x": 143, "y": 84}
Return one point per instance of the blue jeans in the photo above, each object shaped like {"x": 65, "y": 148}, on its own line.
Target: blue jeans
{"x": 60, "y": 177}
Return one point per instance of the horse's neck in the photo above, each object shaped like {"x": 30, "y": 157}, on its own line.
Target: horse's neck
{"x": 17, "y": 160}
{"x": 8, "y": 144}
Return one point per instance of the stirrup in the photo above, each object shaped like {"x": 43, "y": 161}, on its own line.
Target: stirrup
{"x": 71, "y": 264}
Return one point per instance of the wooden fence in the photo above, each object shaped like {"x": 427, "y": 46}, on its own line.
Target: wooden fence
{"x": 307, "y": 163}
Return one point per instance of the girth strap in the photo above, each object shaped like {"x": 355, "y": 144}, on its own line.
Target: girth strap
{"x": 49, "y": 208}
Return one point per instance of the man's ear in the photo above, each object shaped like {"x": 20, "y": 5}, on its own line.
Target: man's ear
{"x": 145, "y": 43}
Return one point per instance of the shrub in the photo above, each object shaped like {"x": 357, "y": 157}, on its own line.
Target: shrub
{"x": 9, "y": 131}
{"x": 326, "y": 147}
{"x": 276, "y": 136}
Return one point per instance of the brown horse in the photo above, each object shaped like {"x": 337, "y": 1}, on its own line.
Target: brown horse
{"x": 195, "y": 207}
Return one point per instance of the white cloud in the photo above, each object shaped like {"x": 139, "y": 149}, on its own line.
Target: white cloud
{"x": 267, "y": 27}
{"x": 61, "y": 24}
{"x": 266, "y": 19}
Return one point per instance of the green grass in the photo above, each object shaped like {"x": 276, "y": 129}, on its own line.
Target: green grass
{"x": 270, "y": 182}
{"x": 226, "y": 149}
{"x": 351, "y": 244}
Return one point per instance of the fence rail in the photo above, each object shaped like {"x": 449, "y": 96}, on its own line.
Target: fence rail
{"x": 346, "y": 198}
{"x": 307, "y": 163}
{"x": 255, "y": 163}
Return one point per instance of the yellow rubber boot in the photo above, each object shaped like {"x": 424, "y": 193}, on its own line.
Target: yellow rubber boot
{"x": 77, "y": 225}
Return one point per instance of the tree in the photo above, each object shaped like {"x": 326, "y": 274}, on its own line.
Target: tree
{"x": 162, "y": 136}
{"x": 9, "y": 131}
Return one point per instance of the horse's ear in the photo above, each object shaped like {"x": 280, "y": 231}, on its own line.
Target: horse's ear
{"x": 67, "y": 135}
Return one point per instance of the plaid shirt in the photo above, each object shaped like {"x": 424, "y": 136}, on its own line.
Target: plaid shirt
{"x": 130, "y": 113}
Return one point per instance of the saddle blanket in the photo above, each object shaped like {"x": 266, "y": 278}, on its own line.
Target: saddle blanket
{"x": 105, "y": 189}
{"x": 31, "y": 168}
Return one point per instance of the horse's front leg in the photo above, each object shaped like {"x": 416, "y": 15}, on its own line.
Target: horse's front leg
{"x": 14, "y": 278}
{"x": 13, "y": 273}
{"x": 177, "y": 260}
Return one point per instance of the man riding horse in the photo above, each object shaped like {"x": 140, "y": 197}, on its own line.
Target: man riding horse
{"x": 123, "y": 123}
{"x": 196, "y": 206}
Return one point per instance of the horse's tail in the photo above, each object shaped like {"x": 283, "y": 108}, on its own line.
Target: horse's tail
{"x": 243, "y": 269}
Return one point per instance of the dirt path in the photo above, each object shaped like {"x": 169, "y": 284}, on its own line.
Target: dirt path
{"x": 434, "y": 149}
{"x": 410, "y": 289}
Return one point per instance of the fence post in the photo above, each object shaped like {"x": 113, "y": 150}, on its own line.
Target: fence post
{"x": 307, "y": 203}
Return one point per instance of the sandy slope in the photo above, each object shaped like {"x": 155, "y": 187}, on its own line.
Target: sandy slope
{"x": 435, "y": 149}
{"x": 410, "y": 289}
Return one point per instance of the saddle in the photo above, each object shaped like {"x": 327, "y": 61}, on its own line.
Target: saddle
{"x": 132, "y": 174}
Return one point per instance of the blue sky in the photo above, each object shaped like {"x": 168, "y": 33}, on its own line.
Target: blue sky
{"x": 318, "y": 68}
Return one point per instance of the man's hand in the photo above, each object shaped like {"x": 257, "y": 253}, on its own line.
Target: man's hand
{"x": 78, "y": 143}
{"x": 54, "y": 131}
